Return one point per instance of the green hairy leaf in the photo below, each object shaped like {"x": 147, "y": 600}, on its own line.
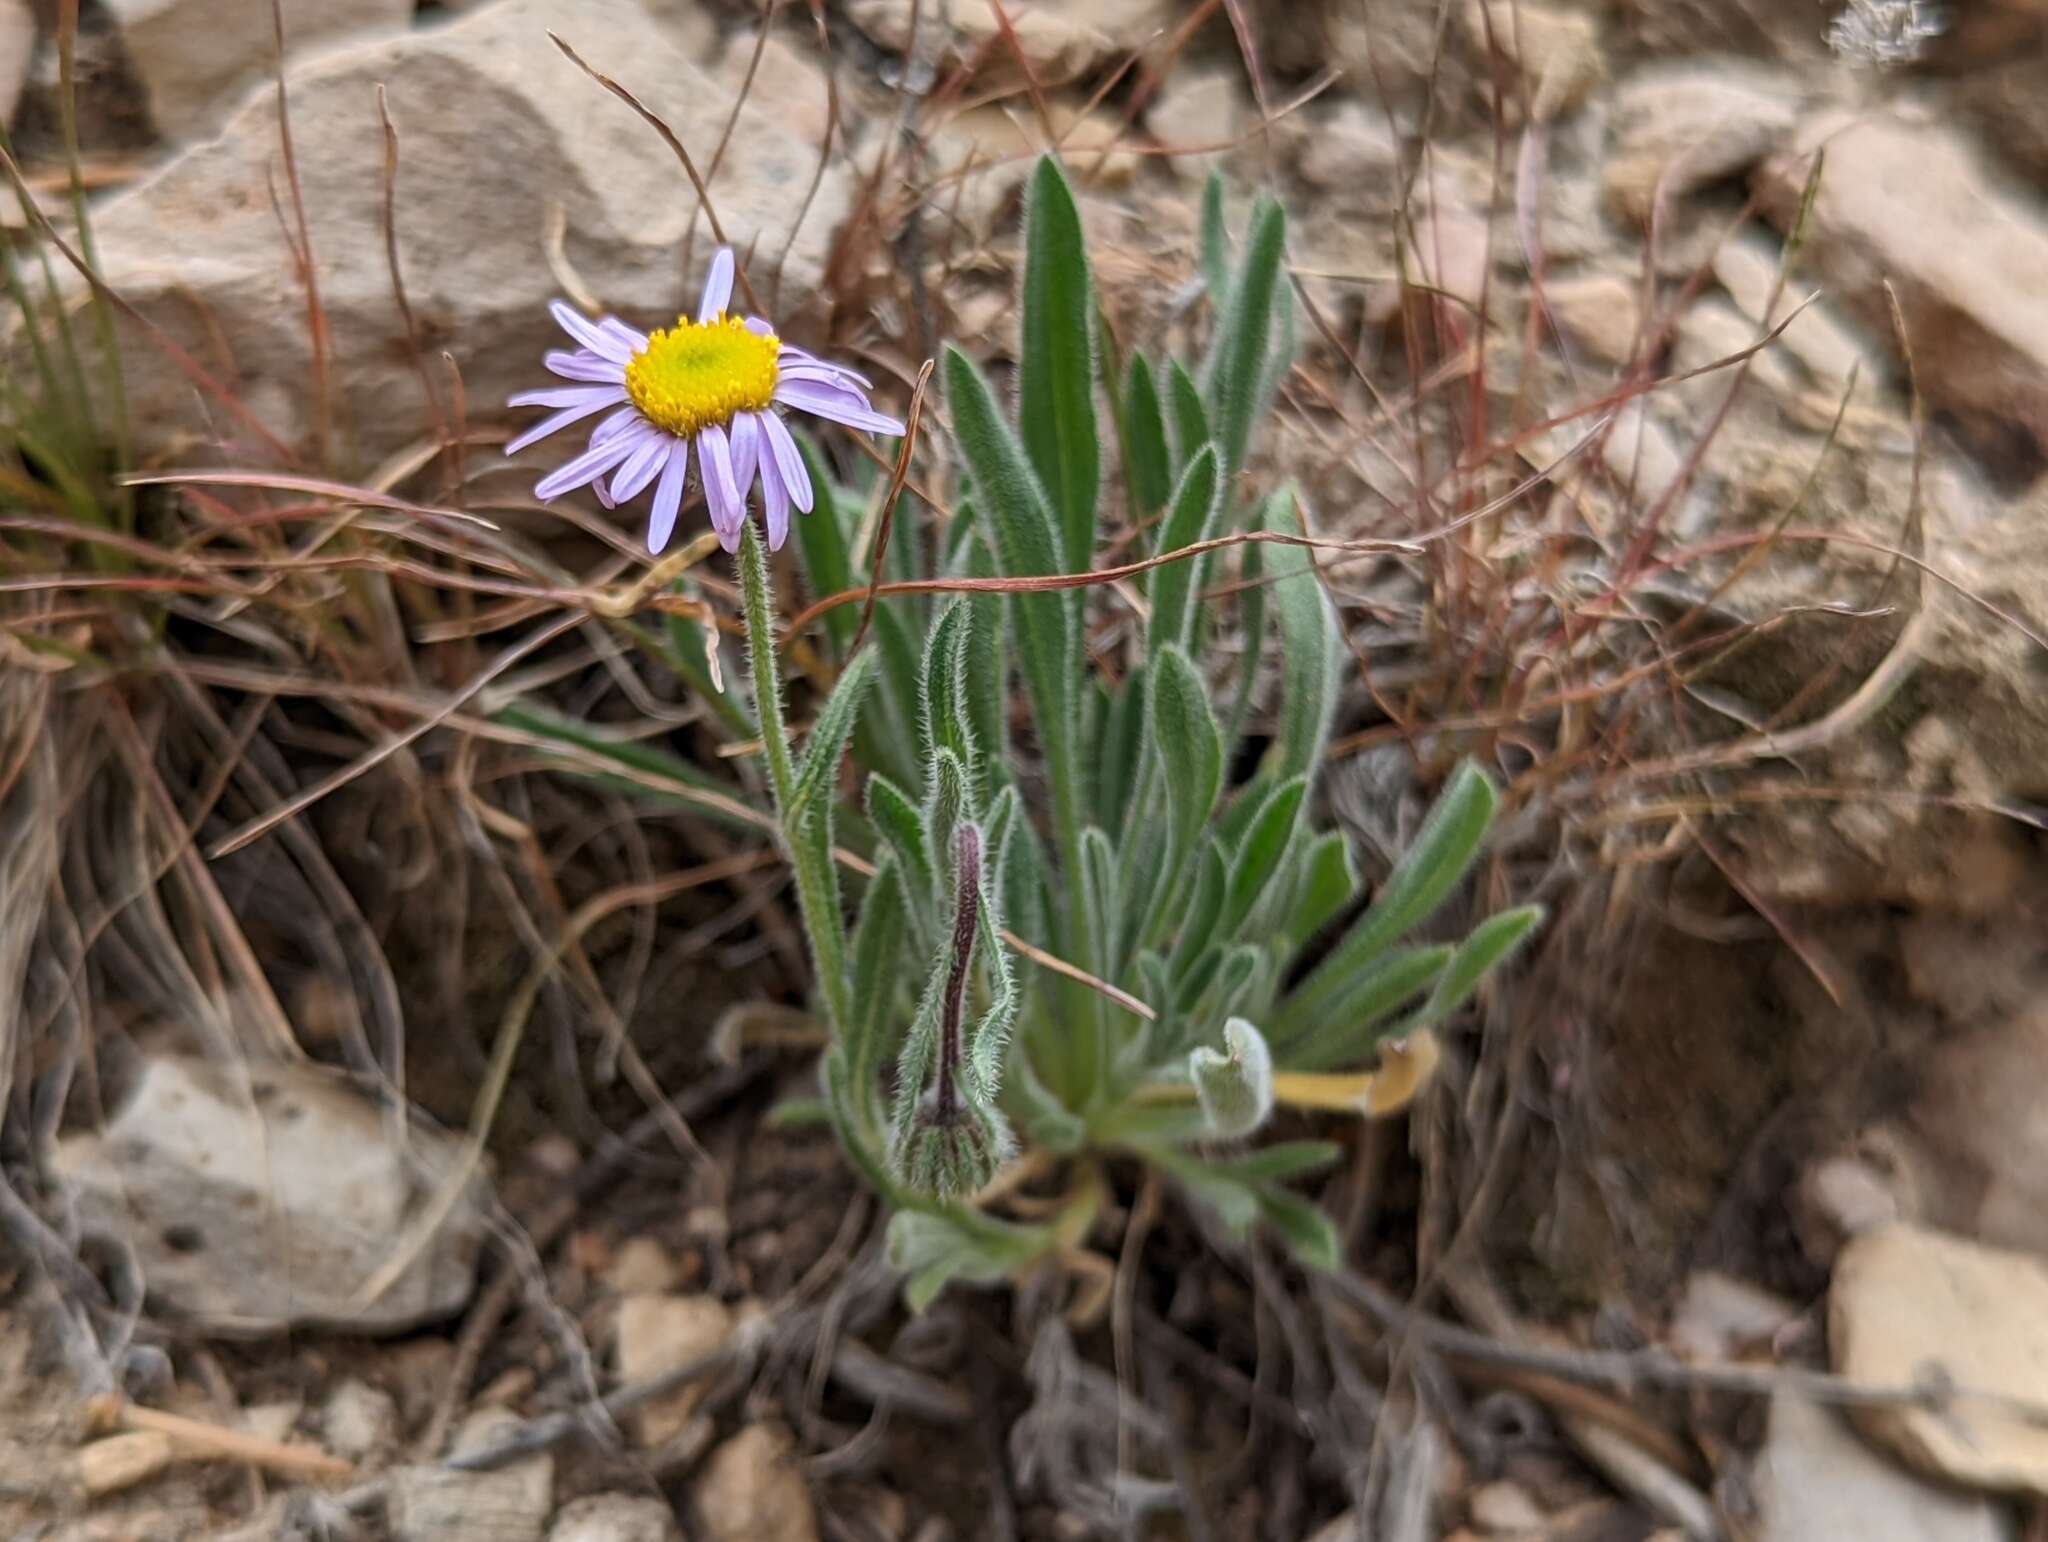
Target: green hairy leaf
{"x": 1190, "y": 747}
{"x": 1187, "y": 419}
{"x": 1265, "y": 843}
{"x": 1236, "y": 373}
{"x": 1148, "y": 463}
{"x": 819, "y": 768}
{"x": 1197, "y": 502}
{"x": 1055, "y": 396}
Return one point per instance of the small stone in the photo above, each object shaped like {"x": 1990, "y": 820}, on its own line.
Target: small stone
{"x": 197, "y": 59}
{"x": 359, "y": 1420}
{"x": 1906, "y": 1303}
{"x": 122, "y": 1461}
{"x": 1353, "y": 152}
{"x": 1505, "y": 1509}
{"x": 1600, "y": 312}
{"x": 791, "y": 83}
{"x": 1747, "y": 267}
{"x": 1200, "y": 111}
{"x": 1816, "y": 1480}
{"x": 265, "y": 1202}
{"x": 642, "y": 1267}
{"x": 1558, "y": 50}
{"x": 17, "y": 54}
{"x": 1908, "y": 208}
{"x": 1060, "y": 40}
{"x": 658, "y": 1333}
{"x": 615, "y": 1518}
{"x": 753, "y": 1491}
{"x": 1722, "y": 1318}
{"x": 1680, "y": 126}
{"x": 433, "y": 1503}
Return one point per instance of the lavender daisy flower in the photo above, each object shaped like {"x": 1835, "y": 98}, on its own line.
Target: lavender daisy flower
{"x": 715, "y": 382}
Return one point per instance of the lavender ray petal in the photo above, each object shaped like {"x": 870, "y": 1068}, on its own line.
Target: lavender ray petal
{"x": 717, "y": 287}
{"x": 582, "y": 364}
{"x": 792, "y": 355}
{"x": 789, "y": 461}
{"x": 714, "y": 456}
{"x": 591, "y": 336}
{"x": 668, "y": 499}
{"x": 553, "y": 422}
{"x": 836, "y": 406}
{"x": 587, "y": 467}
{"x": 745, "y": 436}
{"x": 568, "y": 396}
{"x": 641, "y": 466}
{"x": 774, "y": 499}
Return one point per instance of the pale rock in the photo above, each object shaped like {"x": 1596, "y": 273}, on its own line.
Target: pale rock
{"x": 991, "y": 150}
{"x": 496, "y": 129}
{"x": 1557, "y": 50}
{"x": 1747, "y": 267}
{"x": 657, "y": 1333}
{"x": 272, "y": 1422}
{"x": 197, "y": 59}
{"x": 753, "y": 1491}
{"x": 1908, "y": 1303}
{"x": 1201, "y": 111}
{"x": 17, "y": 54}
{"x": 1843, "y": 1196}
{"x": 1641, "y": 455}
{"x": 1505, "y": 1510}
{"x": 435, "y": 1503}
{"x": 615, "y": 1518}
{"x": 790, "y": 83}
{"x": 1815, "y": 1479}
{"x": 1682, "y": 125}
{"x": 1601, "y": 312}
{"x": 1719, "y": 1317}
{"x": 1712, "y": 336}
{"x": 1059, "y": 39}
{"x": 692, "y": 27}
{"x": 359, "y": 1420}
{"x": 1910, "y": 203}
{"x": 263, "y": 1200}
{"x": 1351, "y": 151}
{"x": 1981, "y": 1132}
{"x": 642, "y": 1266}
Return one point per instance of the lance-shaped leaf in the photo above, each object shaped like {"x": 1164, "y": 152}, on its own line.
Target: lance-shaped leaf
{"x": 879, "y": 952}
{"x": 988, "y": 673}
{"x": 933, "y": 1249}
{"x": 942, "y": 716}
{"x": 1198, "y": 928}
{"x": 1055, "y": 393}
{"x": 1281, "y": 1161}
{"x": 1148, "y": 463}
{"x": 1191, "y": 517}
{"x": 1027, "y": 544}
{"x": 1187, "y": 419}
{"x": 1341, "y": 1027}
{"x": 1308, "y": 665}
{"x": 1328, "y": 880}
{"x": 1443, "y": 851}
{"x": 1190, "y": 748}
{"x": 1490, "y": 942}
{"x": 1309, "y": 1234}
{"x": 1235, "y": 372}
{"x": 1098, "y": 890}
{"x": 1121, "y": 752}
{"x": 1215, "y": 242}
{"x": 1259, "y": 857}
{"x": 819, "y": 768}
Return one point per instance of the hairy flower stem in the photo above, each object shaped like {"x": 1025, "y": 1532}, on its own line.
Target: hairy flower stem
{"x": 809, "y": 846}
{"x": 966, "y": 917}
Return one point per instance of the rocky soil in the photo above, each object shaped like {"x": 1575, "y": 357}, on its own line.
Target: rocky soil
{"x": 1747, "y": 306}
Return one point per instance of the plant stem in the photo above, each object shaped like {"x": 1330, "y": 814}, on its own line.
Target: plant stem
{"x": 809, "y": 846}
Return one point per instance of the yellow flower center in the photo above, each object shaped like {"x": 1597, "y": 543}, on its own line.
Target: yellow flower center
{"x": 696, "y": 374}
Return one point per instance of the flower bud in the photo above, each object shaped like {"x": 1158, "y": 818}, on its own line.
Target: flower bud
{"x": 1234, "y": 1087}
